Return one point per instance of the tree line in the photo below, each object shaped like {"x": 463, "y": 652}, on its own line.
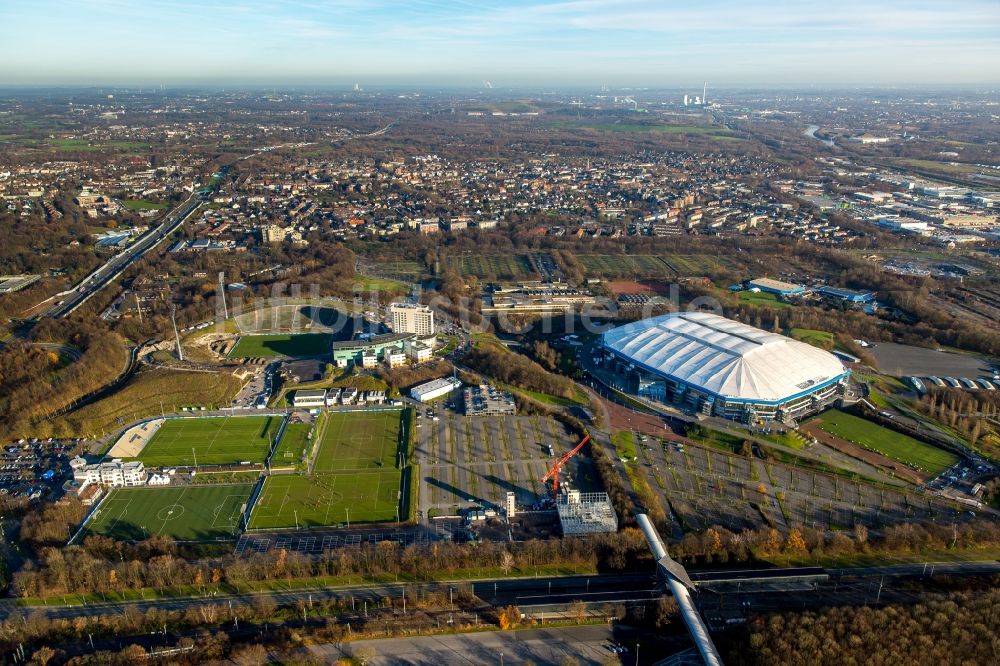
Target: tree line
{"x": 961, "y": 628}
{"x": 36, "y": 381}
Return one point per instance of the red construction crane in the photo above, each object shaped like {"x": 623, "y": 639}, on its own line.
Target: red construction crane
{"x": 554, "y": 472}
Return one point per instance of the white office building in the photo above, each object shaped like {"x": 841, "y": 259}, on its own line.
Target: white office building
{"x": 114, "y": 473}
{"x": 309, "y": 398}
{"x": 434, "y": 389}
{"x": 412, "y": 318}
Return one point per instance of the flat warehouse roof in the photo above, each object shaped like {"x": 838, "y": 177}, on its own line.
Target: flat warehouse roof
{"x": 776, "y": 285}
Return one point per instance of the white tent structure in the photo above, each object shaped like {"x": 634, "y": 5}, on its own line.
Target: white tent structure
{"x": 724, "y": 367}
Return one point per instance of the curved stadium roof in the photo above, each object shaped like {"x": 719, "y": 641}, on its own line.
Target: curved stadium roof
{"x": 724, "y": 357}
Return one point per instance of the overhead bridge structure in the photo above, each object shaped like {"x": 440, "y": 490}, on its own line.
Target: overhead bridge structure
{"x": 680, "y": 585}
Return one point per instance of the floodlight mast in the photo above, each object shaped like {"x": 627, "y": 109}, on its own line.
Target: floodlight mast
{"x": 554, "y": 472}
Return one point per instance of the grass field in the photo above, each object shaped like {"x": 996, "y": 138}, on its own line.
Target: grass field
{"x": 493, "y": 266}
{"x": 214, "y": 441}
{"x": 146, "y": 394}
{"x": 762, "y": 298}
{"x": 821, "y": 339}
{"x": 624, "y": 442}
{"x": 358, "y": 441}
{"x": 294, "y": 445}
{"x": 354, "y": 470}
{"x": 142, "y": 204}
{"x": 325, "y": 499}
{"x": 370, "y": 283}
{"x": 690, "y": 265}
{"x": 887, "y": 442}
{"x": 188, "y": 513}
{"x": 404, "y": 269}
{"x": 615, "y": 265}
{"x": 292, "y": 344}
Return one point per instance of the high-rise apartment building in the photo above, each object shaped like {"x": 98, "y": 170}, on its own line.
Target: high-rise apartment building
{"x": 412, "y": 318}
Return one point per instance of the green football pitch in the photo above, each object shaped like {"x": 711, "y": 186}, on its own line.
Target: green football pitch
{"x": 327, "y": 499}
{"x": 294, "y": 445}
{"x": 211, "y": 441}
{"x": 188, "y": 513}
{"x": 359, "y": 440}
{"x": 291, "y": 344}
{"x": 354, "y": 476}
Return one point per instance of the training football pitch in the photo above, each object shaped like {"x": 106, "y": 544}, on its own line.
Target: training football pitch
{"x": 359, "y": 440}
{"x": 354, "y": 476}
{"x": 188, "y": 513}
{"x": 211, "y": 441}
{"x": 369, "y": 496}
{"x": 293, "y": 344}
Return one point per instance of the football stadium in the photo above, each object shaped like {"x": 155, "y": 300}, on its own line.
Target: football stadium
{"x": 722, "y": 367}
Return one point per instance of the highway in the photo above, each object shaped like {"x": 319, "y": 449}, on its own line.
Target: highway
{"x": 111, "y": 269}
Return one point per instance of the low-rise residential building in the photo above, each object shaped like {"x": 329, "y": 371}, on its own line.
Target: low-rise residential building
{"x": 114, "y": 473}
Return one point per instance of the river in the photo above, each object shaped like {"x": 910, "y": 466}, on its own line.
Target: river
{"x": 811, "y": 133}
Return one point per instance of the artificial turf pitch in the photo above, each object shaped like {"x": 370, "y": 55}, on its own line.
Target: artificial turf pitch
{"x": 354, "y": 471}
{"x": 186, "y": 513}
{"x": 211, "y": 441}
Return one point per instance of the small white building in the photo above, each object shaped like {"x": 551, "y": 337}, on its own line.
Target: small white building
{"x": 348, "y": 395}
{"x": 369, "y": 359}
{"x": 394, "y": 357}
{"x": 419, "y": 352}
{"x": 309, "y": 398}
{"x": 375, "y": 397}
{"x": 159, "y": 480}
{"x": 435, "y": 389}
{"x": 333, "y": 397}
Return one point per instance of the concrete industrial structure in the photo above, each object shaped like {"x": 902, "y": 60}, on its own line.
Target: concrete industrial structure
{"x": 720, "y": 367}
{"x": 586, "y": 513}
{"x": 412, "y": 318}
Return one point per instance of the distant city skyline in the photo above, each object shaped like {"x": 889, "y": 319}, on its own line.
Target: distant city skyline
{"x": 515, "y": 43}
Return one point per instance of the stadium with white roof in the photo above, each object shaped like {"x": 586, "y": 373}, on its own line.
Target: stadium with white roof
{"x": 722, "y": 367}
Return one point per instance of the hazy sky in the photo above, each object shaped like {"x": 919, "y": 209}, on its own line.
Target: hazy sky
{"x": 511, "y": 43}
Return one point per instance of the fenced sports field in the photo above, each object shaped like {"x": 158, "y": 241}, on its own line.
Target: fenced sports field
{"x": 355, "y": 475}
{"x": 211, "y": 441}
{"x": 186, "y": 513}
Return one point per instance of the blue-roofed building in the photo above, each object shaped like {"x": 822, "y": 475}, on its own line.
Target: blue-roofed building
{"x": 848, "y": 295}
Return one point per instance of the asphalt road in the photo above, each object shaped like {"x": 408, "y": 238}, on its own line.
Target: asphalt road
{"x": 118, "y": 263}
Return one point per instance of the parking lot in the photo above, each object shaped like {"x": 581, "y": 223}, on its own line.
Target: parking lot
{"x": 465, "y": 461}
{"x": 256, "y": 392}
{"x": 705, "y": 487}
